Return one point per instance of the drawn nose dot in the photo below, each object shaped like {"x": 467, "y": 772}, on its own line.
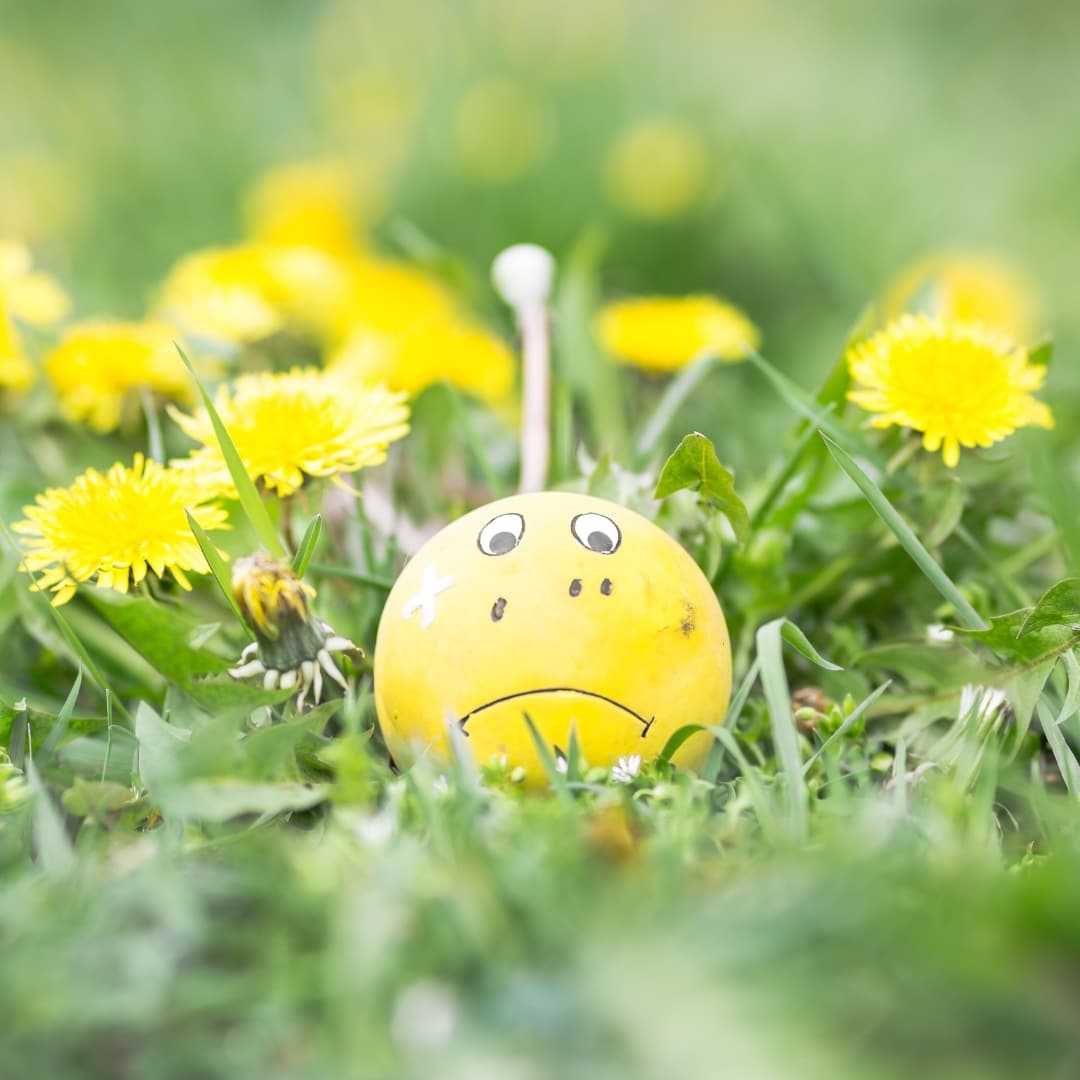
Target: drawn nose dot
{"x": 497, "y": 609}
{"x": 606, "y": 586}
{"x": 575, "y": 587}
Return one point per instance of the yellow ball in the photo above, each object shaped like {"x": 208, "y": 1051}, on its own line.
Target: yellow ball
{"x": 568, "y": 609}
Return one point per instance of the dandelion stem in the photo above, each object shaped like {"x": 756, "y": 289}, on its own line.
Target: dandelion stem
{"x": 536, "y": 415}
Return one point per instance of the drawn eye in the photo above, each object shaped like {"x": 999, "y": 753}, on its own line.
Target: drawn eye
{"x": 501, "y": 534}
{"x": 596, "y": 532}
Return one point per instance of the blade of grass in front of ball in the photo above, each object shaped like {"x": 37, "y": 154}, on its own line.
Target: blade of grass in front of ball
{"x": 250, "y": 501}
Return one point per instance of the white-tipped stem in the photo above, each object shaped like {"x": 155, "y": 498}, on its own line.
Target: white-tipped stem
{"x": 331, "y": 669}
{"x": 270, "y": 680}
{"x": 316, "y": 685}
{"x": 307, "y": 670}
{"x": 523, "y": 276}
{"x": 288, "y": 679}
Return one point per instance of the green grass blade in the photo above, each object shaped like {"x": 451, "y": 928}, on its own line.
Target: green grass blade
{"x": 804, "y": 404}
{"x": 906, "y": 536}
{"x": 899, "y": 778}
{"x": 308, "y": 543}
{"x": 346, "y": 574}
{"x": 55, "y": 853}
{"x": 547, "y": 758}
{"x": 63, "y": 717}
{"x": 785, "y": 734}
{"x": 678, "y": 392}
{"x": 848, "y": 723}
{"x": 1067, "y": 764}
{"x": 759, "y": 795}
{"x": 217, "y": 567}
{"x": 250, "y": 501}
{"x": 475, "y": 445}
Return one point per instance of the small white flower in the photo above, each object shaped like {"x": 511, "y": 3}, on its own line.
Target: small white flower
{"x": 936, "y": 634}
{"x": 523, "y": 274}
{"x": 626, "y": 768}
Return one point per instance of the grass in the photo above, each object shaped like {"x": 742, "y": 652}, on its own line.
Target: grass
{"x": 874, "y": 875}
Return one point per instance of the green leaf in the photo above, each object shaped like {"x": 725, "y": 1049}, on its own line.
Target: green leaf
{"x": 675, "y": 396}
{"x": 1003, "y": 636}
{"x": 225, "y": 798}
{"x": 250, "y": 501}
{"x": 799, "y": 642}
{"x": 694, "y": 466}
{"x": 159, "y": 745}
{"x": 1042, "y": 352}
{"x": 1058, "y": 606}
{"x": 785, "y": 735}
{"x": 56, "y": 855}
{"x": 308, "y": 543}
{"x": 907, "y": 538}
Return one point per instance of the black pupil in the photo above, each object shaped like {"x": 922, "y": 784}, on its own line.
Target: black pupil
{"x": 502, "y": 542}
{"x": 599, "y": 541}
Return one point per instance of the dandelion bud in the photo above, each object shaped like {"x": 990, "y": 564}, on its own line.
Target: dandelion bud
{"x": 292, "y": 646}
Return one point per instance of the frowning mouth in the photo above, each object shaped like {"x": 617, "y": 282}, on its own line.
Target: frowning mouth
{"x": 645, "y": 724}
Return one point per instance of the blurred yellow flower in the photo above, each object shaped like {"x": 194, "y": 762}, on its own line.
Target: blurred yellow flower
{"x": 114, "y": 527}
{"x": 386, "y": 297}
{"x": 502, "y": 131}
{"x": 414, "y": 357}
{"x": 293, "y": 426}
{"x": 16, "y": 374}
{"x": 305, "y": 204}
{"x": 249, "y": 292}
{"x": 99, "y": 368}
{"x": 657, "y": 169}
{"x": 959, "y": 384}
{"x": 27, "y": 296}
{"x": 662, "y": 333}
{"x": 966, "y": 287}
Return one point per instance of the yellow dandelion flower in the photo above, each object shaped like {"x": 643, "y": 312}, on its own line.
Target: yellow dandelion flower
{"x": 305, "y": 204}
{"x": 99, "y": 367}
{"x": 386, "y": 297}
{"x": 959, "y": 384}
{"x": 657, "y": 169}
{"x": 25, "y": 296}
{"x": 249, "y": 292}
{"x": 967, "y": 287}
{"x": 296, "y": 425}
{"x": 661, "y": 333}
{"x": 112, "y": 528}
{"x": 416, "y": 356}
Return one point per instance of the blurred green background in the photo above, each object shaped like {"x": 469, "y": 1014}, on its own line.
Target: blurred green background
{"x": 808, "y": 152}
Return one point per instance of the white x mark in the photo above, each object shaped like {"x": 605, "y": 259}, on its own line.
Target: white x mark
{"x": 424, "y": 600}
